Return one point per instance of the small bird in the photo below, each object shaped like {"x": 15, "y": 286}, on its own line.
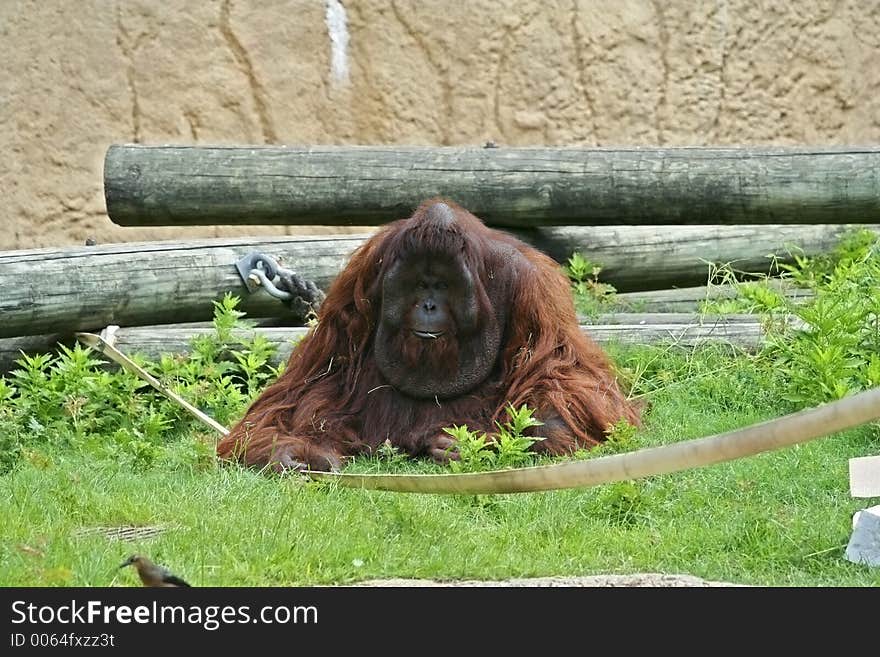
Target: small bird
{"x": 151, "y": 574}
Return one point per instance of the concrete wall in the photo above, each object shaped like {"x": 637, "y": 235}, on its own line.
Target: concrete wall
{"x": 79, "y": 75}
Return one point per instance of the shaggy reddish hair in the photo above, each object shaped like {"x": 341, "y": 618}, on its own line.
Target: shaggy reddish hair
{"x": 332, "y": 401}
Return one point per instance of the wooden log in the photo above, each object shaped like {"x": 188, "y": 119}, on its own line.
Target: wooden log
{"x": 516, "y": 187}
{"x": 627, "y": 327}
{"x": 87, "y": 288}
{"x": 11, "y": 349}
{"x": 648, "y": 258}
{"x": 688, "y": 299}
{"x": 687, "y": 330}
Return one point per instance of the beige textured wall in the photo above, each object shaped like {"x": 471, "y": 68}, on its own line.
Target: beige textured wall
{"x": 78, "y": 75}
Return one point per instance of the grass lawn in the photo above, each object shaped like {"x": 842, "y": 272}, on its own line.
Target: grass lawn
{"x": 781, "y": 518}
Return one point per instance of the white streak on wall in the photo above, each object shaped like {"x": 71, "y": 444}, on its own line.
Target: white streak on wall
{"x": 337, "y": 28}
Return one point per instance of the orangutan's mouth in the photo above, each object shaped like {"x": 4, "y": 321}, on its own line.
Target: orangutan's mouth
{"x": 432, "y": 335}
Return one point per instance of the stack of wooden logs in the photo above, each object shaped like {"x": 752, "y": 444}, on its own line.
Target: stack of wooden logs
{"x": 655, "y": 219}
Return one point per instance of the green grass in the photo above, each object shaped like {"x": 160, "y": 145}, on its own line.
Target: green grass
{"x": 781, "y": 518}
{"x": 83, "y": 447}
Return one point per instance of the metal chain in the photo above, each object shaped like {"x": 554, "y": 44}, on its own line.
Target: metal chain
{"x": 259, "y": 270}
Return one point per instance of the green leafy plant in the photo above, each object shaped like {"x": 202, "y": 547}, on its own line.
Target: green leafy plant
{"x": 591, "y": 296}
{"x": 474, "y": 450}
{"x": 621, "y": 437}
{"x": 508, "y": 448}
{"x": 834, "y": 352}
{"x": 74, "y": 400}
{"x": 854, "y": 246}
{"x": 511, "y": 445}
{"x": 821, "y": 345}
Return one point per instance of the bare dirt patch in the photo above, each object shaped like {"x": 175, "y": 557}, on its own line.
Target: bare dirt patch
{"x": 640, "y": 579}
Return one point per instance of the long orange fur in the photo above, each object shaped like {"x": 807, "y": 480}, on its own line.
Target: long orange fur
{"x": 331, "y": 401}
